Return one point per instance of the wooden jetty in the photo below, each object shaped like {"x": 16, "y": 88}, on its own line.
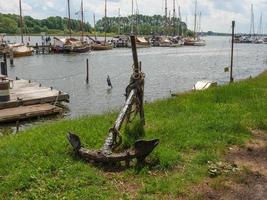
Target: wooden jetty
{"x": 41, "y": 48}
{"x": 29, "y": 99}
{"x": 26, "y": 112}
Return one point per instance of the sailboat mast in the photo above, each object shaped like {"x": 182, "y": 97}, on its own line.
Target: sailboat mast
{"x": 119, "y": 24}
{"x": 105, "y": 21}
{"x": 82, "y": 19}
{"x": 180, "y": 28}
{"x": 166, "y": 13}
{"x": 174, "y": 18}
{"x": 132, "y": 27}
{"x": 199, "y": 23}
{"x": 260, "y": 26}
{"x": 195, "y": 21}
{"x": 94, "y": 26}
{"x": 252, "y": 25}
{"x": 69, "y": 24}
{"x": 21, "y": 22}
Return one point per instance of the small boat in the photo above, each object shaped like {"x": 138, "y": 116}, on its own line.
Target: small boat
{"x": 141, "y": 42}
{"x": 194, "y": 42}
{"x": 70, "y": 45}
{"x": 120, "y": 41}
{"x": 20, "y": 50}
{"x": 164, "y": 42}
{"x": 101, "y": 46}
{"x": 204, "y": 84}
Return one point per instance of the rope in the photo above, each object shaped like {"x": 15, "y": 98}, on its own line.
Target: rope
{"x": 56, "y": 78}
{"x": 57, "y": 98}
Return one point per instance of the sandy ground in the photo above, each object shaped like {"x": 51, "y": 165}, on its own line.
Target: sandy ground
{"x": 249, "y": 182}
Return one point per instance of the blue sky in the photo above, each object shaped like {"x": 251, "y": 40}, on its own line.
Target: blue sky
{"x": 216, "y": 14}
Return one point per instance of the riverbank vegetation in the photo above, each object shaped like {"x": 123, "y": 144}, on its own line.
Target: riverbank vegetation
{"x": 143, "y": 25}
{"x": 193, "y": 128}
{"x": 10, "y": 24}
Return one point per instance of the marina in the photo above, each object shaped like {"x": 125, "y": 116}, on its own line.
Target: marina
{"x": 167, "y": 69}
{"x": 133, "y": 100}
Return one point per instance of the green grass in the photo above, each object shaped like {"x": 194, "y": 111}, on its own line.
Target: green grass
{"x": 193, "y": 128}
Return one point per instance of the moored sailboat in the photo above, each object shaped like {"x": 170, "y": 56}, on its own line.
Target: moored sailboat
{"x": 102, "y": 45}
{"x": 20, "y": 50}
{"x": 195, "y": 41}
{"x": 71, "y": 44}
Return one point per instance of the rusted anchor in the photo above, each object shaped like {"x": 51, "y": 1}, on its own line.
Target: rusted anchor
{"x": 133, "y": 106}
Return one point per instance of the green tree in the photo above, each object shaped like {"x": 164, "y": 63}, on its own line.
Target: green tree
{"x": 8, "y": 25}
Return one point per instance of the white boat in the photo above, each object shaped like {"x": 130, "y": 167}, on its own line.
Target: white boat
{"x": 204, "y": 84}
{"x": 20, "y": 50}
{"x": 141, "y": 42}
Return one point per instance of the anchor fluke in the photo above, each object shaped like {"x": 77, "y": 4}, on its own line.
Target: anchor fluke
{"x": 74, "y": 140}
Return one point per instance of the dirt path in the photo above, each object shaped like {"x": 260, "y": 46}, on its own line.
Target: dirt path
{"x": 250, "y": 183}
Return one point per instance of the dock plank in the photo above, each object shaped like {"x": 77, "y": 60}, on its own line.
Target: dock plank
{"x": 25, "y": 92}
{"x": 25, "y": 112}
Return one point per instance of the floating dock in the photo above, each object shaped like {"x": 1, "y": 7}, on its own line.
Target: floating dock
{"x": 29, "y": 99}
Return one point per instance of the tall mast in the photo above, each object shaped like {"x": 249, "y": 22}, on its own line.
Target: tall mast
{"x": 82, "y": 18}
{"x": 199, "y": 22}
{"x": 166, "y": 13}
{"x": 180, "y": 20}
{"x": 132, "y": 27}
{"x": 252, "y": 26}
{"x": 195, "y": 21}
{"x": 174, "y": 18}
{"x": 105, "y": 21}
{"x": 166, "y": 9}
{"x": 94, "y": 26}
{"x": 260, "y": 26}
{"x": 21, "y": 22}
{"x": 69, "y": 23}
{"x": 119, "y": 23}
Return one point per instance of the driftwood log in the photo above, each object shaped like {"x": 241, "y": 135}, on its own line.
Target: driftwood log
{"x": 133, "y": 106}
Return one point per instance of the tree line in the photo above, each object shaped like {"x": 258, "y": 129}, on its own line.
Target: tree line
{"x": 10, "y": 24}
{"x": 140, "y": 24}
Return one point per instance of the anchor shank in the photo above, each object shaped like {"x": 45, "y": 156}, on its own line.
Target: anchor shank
{"x": 125, "y": 110}
{"x": 109, "y": 142}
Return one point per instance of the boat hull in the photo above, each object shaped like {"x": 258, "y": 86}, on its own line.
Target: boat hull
{"x": 22, "y": 54}
{"x": 101, "y": 47}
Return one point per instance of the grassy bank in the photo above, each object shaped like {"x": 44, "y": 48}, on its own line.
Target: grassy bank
{"x": 193, "y": 128}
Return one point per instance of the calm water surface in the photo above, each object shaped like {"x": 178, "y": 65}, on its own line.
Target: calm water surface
{"x": 166, "y": 69}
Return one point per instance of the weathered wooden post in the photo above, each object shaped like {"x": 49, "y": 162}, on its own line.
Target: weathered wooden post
{"x": 11, "y": 58}
{"x": 5, "y": 60}
{"x": 17, "y": 126}
{"x": 137, "y": 70}
{"x": 232, "y": 52}
{"x": 43, "y": 48}
{"x": 87, "y": 70}
{"x": 134, "y": 51}
{"x": 37, "y": 48}
{"x": 3, "y": 68}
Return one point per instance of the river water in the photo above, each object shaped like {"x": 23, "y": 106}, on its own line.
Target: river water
{"x": 166, "y": 69}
